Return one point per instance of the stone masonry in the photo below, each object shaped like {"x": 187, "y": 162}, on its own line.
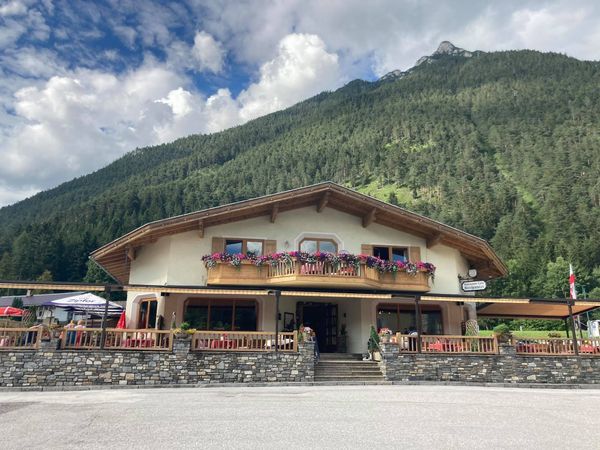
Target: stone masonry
{"x": 47, "y": 367}
{"x": 507, "y": 367}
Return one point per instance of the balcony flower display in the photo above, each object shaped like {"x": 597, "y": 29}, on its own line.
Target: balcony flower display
{"x": 336, "y": 259}
{"x": 385, "y": 334}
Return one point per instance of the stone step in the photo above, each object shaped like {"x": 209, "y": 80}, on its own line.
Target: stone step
{"x": 336, "y": 356}
{"x": 349, "y": 378}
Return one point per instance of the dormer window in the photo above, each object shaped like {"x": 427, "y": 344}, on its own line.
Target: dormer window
{"x": 313, "y": 245}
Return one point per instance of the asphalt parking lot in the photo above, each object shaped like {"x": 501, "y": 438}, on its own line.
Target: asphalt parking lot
{"x": 302, "y": 418}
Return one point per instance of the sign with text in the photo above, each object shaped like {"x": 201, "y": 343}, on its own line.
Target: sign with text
{"x": 471, "y": 286}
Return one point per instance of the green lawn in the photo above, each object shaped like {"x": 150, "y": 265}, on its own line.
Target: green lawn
{"x": 534, "y": 334}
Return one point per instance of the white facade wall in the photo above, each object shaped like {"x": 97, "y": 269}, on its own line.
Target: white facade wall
{"x": 177, "y": 260}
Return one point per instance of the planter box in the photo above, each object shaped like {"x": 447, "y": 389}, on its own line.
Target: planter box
{"x": 247, "y": 274}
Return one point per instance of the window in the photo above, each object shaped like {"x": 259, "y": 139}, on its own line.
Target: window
{"x": 312, "y": 245}
{"x": 400, "y": 318}
{"x": 244, "y": 246}
{"x": 391, "y": 253}
{"x": 221, "y": 315}
{"x": 147, "y": 313}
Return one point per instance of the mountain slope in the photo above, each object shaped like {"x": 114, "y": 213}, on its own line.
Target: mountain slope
{"x": 503, "y": 145}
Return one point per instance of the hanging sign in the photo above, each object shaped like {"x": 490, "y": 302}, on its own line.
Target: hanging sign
{"x": 471, "y": 286}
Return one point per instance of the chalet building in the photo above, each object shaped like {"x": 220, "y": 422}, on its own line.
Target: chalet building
{"x": 326, "y": 256}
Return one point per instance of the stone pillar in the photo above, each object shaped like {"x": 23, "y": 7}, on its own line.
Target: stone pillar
{"x": 306, "y": 349}
{"x": 505, "y": 348}
{"x": 181, "y": 345}
{"x": 388, "y": 350}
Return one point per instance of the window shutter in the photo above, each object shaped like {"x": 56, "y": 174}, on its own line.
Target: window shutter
{"x": 270, "y": 247}
{"x": 218, "y": 244}
{"x": 414, "y": 254}
{"x": 366, "y": 249}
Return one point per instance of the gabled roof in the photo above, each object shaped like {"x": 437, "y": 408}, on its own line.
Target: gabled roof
{"x": 115, "y": 257}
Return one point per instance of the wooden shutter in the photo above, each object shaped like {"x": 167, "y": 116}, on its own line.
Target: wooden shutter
{"x": 218, "y": 244}
{"x": 414, "y": 254}
{"x": 270, "y": 247}
{"x": 366, "y": 249}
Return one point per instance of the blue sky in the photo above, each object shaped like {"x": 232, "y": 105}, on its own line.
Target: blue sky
{"x": 83, "y": 82}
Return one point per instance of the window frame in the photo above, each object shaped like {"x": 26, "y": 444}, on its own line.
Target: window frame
{"x": 318, "y": 241}
{"x": 244, "y": 244}
{"x": 391, "y": 249}
{"x": 211, "y": 301}
{"x": 139, "y": 315}
{"x": 403, "y": 307}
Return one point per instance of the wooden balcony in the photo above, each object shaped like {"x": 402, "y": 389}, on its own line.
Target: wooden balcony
{"x": 318, "y": 275}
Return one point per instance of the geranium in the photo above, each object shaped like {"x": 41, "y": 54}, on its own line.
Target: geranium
{"x": 335, "y": 259}
{"x": 385, "y": 332}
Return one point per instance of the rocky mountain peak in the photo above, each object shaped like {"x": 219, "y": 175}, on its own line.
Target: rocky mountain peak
{"x": 447, "y": 48}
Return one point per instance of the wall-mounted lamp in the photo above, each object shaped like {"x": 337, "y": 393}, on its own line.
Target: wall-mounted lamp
{"x": 472, "y": 273}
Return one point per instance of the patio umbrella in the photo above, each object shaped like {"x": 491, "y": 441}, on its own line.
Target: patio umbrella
{"x": 86, "y": 303}
{"x": 10, "y": 311}
{"x": 121, "y": 323}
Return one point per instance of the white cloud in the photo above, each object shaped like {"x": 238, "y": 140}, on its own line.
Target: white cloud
{"x": 13, "y": 8}
{"x": 302, "y": 68}
{"x": 208, "y": 53}
{"x": 79, "y": 121}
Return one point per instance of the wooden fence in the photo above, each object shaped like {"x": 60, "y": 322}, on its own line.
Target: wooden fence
{"x": 116, "y": 339}
{"x": 244, "y": 341}
{"x": 448, "y": 344}
{"x": 557, "y": 346}
{"x": 20, "y": 338}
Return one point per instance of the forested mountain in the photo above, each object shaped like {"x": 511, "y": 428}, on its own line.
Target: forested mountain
{"x": 504, "y": 145}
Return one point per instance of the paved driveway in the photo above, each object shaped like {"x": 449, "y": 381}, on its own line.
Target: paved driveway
{"x": 374, "y": 417}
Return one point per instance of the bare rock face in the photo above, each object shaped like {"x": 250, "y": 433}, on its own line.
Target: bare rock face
{"x": 446, "y": 48}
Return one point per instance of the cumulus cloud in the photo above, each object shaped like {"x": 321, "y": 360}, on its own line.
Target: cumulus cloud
{"x": 13, "y": 8}
{"x": 208, "y": 53}
{"x": 82, "y": 120}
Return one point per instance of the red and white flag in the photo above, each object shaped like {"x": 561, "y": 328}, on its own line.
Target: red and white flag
{"x": 572, "y": 289}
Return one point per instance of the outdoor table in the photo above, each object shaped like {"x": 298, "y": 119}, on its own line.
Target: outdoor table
{"x": 435, "y": 346}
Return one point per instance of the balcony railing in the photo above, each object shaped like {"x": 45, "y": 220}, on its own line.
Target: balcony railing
{"x": 19, "y": 338}
{"x": 447, "y": 344}
{"x": 557, "y": 346}
{"x": 317, "y": 274}
{"x": 116, "y": 339}
{"x": 244, "y": 341}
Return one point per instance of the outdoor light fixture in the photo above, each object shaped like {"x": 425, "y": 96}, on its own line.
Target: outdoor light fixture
{"x": 472, "y": 273}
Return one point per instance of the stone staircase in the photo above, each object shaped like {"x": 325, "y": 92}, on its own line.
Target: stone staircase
{"x": 347, "y": 367}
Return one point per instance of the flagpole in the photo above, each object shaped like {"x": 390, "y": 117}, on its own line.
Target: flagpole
{"x": 571, "y": 302}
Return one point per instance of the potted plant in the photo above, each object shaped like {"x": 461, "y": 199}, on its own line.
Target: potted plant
{"x": 373, "y": 345}
{"x": 503, "y": 333}
{"x": 184, "y": 331}
{"x": 385, "y": 335}
{"x": 305, "y": 334}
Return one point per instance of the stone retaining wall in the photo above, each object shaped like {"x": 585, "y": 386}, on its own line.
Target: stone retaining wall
{"x": 48, "y": 367}
{"x": 506, "y": 367}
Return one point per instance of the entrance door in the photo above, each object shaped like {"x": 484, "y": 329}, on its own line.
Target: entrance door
{"x": 322, "y": 318}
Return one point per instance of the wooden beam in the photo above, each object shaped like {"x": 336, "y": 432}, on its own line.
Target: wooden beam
{"x": 274, "y": 212}
{"x": 323, "y": 201}
{"x": 201, "y": 228}
{"x": 130, "y": 253}
{"x": 435, "y": 240}
{"x": 369, "y": 218}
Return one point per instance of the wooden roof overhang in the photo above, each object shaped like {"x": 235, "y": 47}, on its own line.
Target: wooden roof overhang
{"x": 536, "y": 309}
{"x": 116, "y": 256}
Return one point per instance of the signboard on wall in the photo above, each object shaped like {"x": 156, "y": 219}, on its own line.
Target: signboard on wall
{"x": 472, "y": 286}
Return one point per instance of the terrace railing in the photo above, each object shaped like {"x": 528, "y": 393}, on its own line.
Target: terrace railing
{"x": 244, "y": 341}
{"x": 557, "y": 346}
{"x": 116, "y": 339}
{"x": 448, "y": 344}
{"x": 20, "y": 338}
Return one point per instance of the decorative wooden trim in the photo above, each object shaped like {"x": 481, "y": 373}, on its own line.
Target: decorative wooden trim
{"x": 201, "y": 228}
{"x": 130, "y": 253}
{"x": 435, "y": 240}
{"x": 369, "y": 218}
{"x": 323, "y": 202}
{"x": 274, "y": 212}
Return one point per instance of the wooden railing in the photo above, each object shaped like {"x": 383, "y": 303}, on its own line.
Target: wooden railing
{"x": 317, "y": 274}
{"x": 557, "y": 346}
{"x": 244, "y": 341}
{"x": 320, "y": 268}
{"x": 19, "y": 338}
{"x": 116, "y": 339}
{"x": 447, "y": 344}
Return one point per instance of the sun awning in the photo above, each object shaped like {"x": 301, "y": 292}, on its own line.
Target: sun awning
{"x": 535, "y": 309}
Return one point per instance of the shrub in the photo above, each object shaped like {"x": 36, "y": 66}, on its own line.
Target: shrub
{"x": 502, "y": 333}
